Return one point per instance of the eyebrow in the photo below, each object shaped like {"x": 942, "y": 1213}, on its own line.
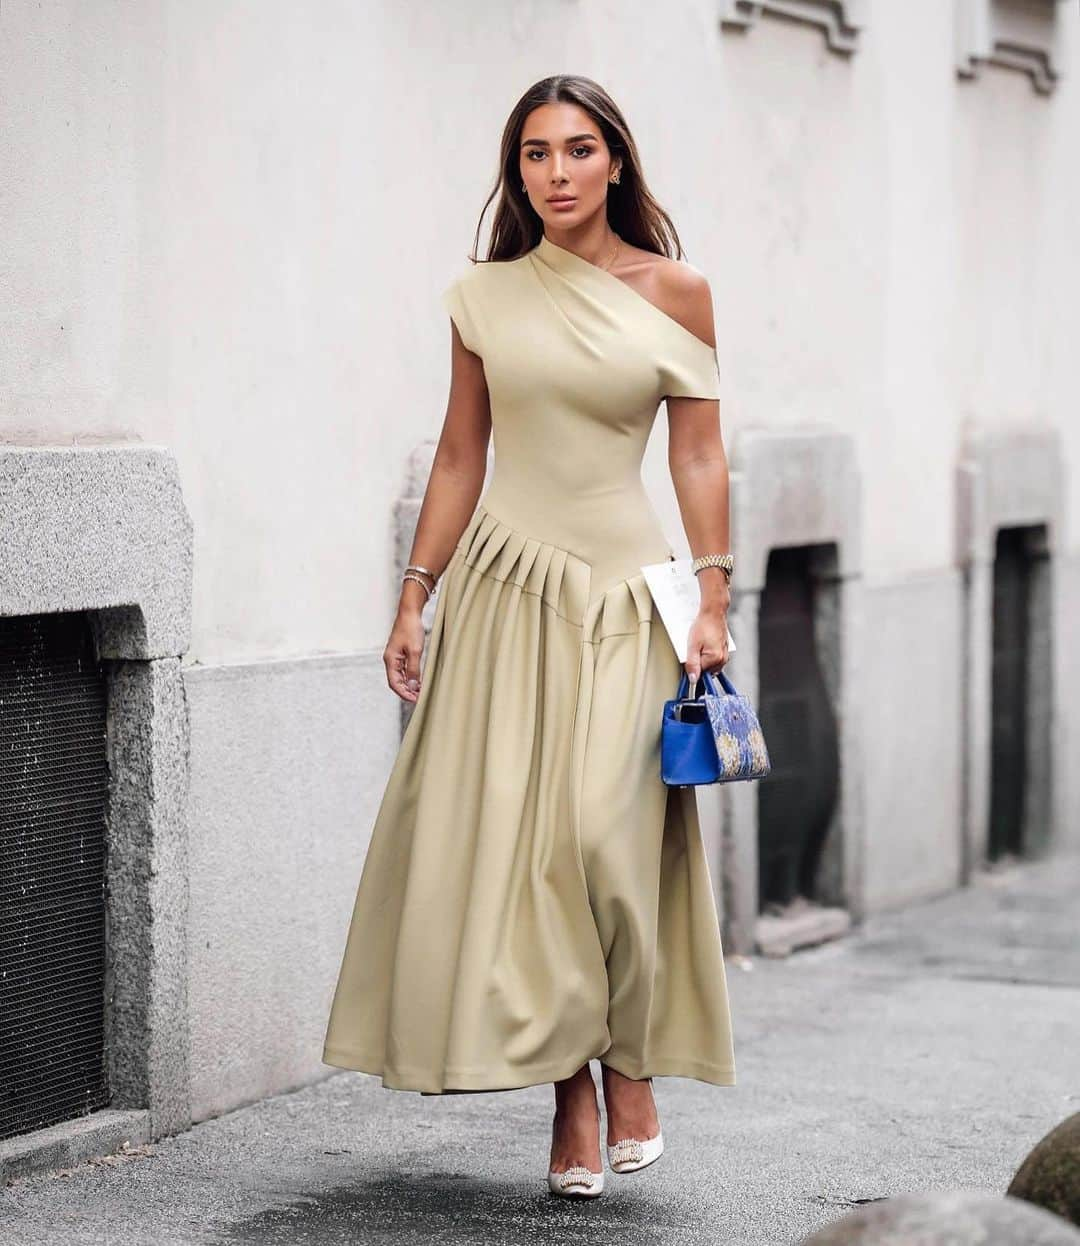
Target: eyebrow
{"x": 542, "y": 142}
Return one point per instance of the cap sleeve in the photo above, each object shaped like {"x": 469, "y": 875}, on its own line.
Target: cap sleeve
{"x": 458, "y": 299}
{"x": 689, "y": 368}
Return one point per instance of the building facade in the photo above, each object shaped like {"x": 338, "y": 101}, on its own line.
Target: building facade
{"x": 226, "y": 362}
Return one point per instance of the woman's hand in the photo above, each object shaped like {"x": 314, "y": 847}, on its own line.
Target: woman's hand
{"x": 401, "y": 657}
{"x": 706, "y": 646}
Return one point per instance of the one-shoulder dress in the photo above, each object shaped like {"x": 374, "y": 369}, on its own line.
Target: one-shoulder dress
{"x": 533, "y": 896}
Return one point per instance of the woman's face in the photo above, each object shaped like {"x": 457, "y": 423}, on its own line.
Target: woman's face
{"x": 565, "y": 164}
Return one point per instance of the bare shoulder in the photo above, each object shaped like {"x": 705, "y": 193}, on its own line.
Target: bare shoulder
{"x": 688, "y": 298}
{"x": 676, "y": 288}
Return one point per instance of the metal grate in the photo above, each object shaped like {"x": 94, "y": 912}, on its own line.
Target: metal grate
{"x": 53, "y": 785}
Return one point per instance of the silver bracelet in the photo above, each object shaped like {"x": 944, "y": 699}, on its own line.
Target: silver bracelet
{"x": 415, "y": 566}
{"x": 409, "y": 575}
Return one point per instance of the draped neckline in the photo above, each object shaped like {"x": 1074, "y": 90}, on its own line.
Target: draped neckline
{"x": 569, "y": 263}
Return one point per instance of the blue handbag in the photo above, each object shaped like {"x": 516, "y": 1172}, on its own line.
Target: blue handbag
{"x": 710, "y": 736}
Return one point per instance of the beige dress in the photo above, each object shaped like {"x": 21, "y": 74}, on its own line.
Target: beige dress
{"x": 533, "y": 895}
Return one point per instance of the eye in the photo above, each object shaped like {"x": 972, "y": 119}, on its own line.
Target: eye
{"x": 583, "y": 147}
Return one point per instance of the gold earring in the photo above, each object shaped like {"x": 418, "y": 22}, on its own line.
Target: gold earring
{"x": 523, "y": 187}
{"x": 615, "y": 177}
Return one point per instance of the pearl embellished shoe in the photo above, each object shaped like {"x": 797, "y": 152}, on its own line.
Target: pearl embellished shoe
{"x": 577, "y": 1181}
{"x": 630, "y": 1154}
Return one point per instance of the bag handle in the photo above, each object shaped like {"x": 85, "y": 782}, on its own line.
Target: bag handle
{"x": 687, "y": 691}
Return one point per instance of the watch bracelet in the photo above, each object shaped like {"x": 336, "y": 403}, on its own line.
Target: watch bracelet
{"x": 726, "y": 563}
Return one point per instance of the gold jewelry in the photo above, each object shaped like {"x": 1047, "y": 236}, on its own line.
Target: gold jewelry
{"x": 615, "y": 176}
{"x": 611, "y": 261}
{"x": 411, "y": 575}
{"x": 415, "y": 566}
{"x": 726, "y": 563}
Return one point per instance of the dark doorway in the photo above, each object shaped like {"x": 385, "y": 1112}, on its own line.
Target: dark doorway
{"x": 1020, "y": 708}
{"x": 797, "y": 800}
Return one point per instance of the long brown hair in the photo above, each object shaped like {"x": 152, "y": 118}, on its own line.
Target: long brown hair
{"x": 632, "y": 212}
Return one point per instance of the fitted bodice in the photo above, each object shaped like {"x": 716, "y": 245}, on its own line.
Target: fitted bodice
{"x": 576, "y": 363}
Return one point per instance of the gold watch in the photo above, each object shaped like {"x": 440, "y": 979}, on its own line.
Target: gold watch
{"x": 726, "y": 563}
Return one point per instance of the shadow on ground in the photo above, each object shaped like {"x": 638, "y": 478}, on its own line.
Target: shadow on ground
{"x": 443, "y": 1205}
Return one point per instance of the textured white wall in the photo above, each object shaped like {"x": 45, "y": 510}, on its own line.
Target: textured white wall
{"x": 226, "y": 227}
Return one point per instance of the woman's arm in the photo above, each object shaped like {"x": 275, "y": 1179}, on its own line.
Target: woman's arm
{"x": 699, "y": 472}
{"x": 453, "y": 488}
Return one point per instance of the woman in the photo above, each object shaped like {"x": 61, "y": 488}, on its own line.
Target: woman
{"x": 533, "y": 895}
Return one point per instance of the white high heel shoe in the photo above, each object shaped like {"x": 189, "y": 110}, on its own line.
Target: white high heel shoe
{"x": 630, "y": 1154}
{"x": 577, "y": 1181}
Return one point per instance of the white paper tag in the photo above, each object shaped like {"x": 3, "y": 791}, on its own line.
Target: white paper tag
{"x": 677, "y": 593}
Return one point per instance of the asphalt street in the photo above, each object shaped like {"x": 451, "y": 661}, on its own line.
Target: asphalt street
{"x": 928, "y": 1050}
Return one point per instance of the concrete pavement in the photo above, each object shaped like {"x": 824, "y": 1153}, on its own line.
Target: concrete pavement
{"x": 930, "y": 1049}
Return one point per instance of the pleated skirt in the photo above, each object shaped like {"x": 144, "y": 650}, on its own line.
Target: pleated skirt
{"x": 533, "y": 895}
